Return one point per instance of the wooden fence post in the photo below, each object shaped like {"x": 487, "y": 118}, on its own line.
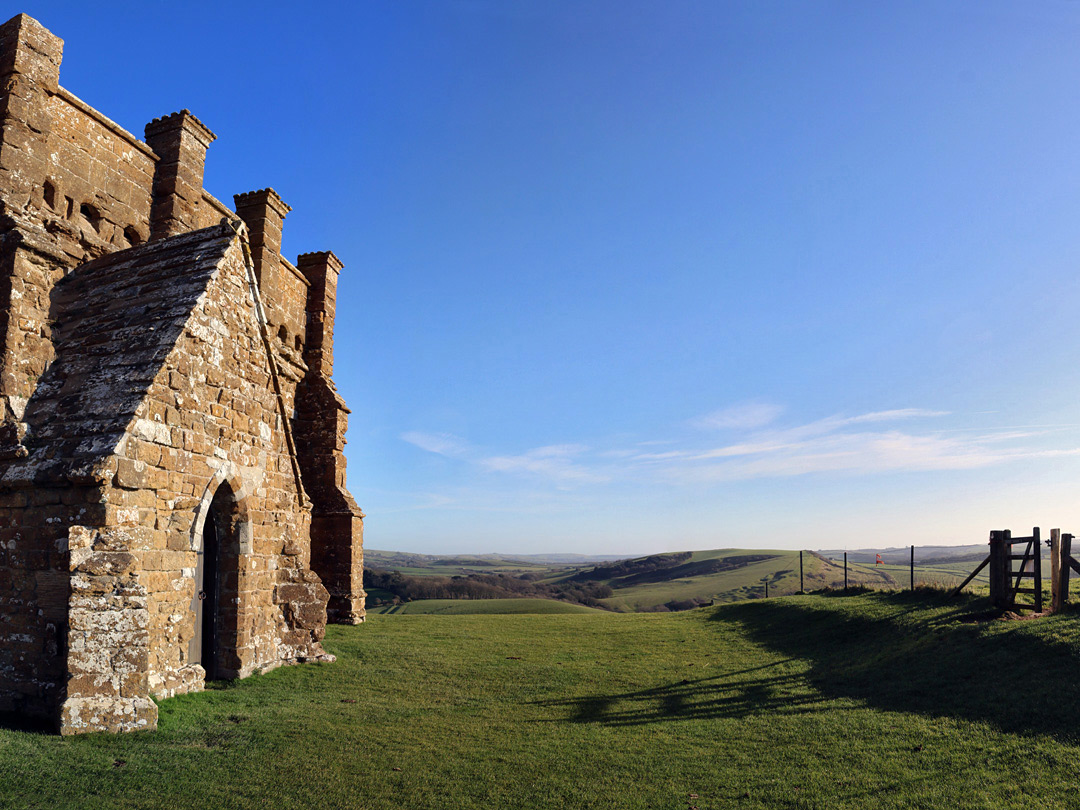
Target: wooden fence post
{"x": 802, "y": 589}
{"x": 1055, "y": 570}
{"x": 913, "y": 568}
{"x": 995, "y": 564}
{"x": 1066, "y": 557}
{"x": 845, "y": 572}
{"x": 1036, "y": 543}
{"x": 999, "y": 568}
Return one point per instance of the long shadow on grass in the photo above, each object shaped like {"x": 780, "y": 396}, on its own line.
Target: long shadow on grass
{"x": 733, "y": 694}
{"x": 884, "y": 651}
{"x": 896, "y": 657}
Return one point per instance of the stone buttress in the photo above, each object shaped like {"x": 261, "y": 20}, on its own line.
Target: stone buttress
{"x": 172, "y": 482}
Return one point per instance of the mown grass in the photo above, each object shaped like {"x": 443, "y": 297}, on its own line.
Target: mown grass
{"x": 473, "y": 607}
{"x": 876, "y": 700}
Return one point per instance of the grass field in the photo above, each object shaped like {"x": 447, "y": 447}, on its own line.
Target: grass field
{"x": 446, "y": 565}
{"x": 878, "y": 700}
{"x": 473, "y": 607}
{"x": 781, "y": 568}
{"x": 690, "y": 580}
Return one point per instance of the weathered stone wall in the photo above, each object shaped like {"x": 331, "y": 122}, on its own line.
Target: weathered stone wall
{"x": 101, "y": 505}
{"x": 98, "y": 178}
{"x": 28, "y": 271}
{"x": 35, "y": 588}
{"x": 108, "y": 636}
{"x": 211, "y": 416}
{"x": 291, "y": 302}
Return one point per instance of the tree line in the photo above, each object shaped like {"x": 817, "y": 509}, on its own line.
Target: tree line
{"x": 406, "y": 588}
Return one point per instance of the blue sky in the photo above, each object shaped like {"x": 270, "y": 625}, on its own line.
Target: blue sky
{"x": 625, "y": 277}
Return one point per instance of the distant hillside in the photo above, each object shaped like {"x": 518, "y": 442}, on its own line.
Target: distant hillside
{"x": 676, "y": 580}
{"x": 448, "y": 565}
{"x": 682, "y": 580}
{"x": 471, "y": 607}
{"x": 902, "y": 555}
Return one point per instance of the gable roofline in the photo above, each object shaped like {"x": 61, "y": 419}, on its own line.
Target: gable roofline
{"x": 118, "y": 318}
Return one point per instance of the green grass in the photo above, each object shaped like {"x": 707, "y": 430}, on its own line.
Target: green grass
{"x": 781, "y": 569}
{"x": 449, "y": 565}
{"x": 467, "y": 607}
{"x": 878, "y": 700}
{"x": 732, "y": 585}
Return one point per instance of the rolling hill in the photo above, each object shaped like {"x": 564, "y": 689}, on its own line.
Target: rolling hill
{"x": 473, "y": 607}
{"x": 685, "y": 579}
{"x": 682, "y": 580}
{"x": 456, "y": 564}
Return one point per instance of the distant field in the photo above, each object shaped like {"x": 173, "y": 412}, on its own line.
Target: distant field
{"x": 460, "y": 607}
{"x": 454, "y": 564}
{"x": 679, "y": 580}
{"x": 743, "y": 582}
{"x": 902, "y": 555}
{"x": 886, "y": 701}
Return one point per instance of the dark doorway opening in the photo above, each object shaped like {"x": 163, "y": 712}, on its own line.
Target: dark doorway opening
{"x": 216, "y": 584}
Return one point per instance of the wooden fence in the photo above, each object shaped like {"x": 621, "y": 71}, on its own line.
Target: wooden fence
{"x": 1009, "y": 580}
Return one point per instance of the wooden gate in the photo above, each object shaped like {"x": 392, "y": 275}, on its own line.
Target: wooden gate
{"x": 1007, "y": 579}
{"x": 1012, "y": 573}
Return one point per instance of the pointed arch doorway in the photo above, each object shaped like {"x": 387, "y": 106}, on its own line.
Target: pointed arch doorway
{"x": 217, "y": 578}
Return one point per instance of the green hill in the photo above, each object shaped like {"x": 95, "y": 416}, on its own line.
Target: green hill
{"x": 456, "y": 564}
{"x": 463, "y": 607}
{"x": 670, "y": 581}
{"x": 678, "y": 580}
{"x": 883, "y": 700}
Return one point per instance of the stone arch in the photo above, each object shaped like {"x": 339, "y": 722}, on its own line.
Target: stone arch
{"x": 227, "y": 473}
{"x": 221, "y": 539}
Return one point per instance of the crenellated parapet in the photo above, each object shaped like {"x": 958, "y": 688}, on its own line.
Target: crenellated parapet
{"x": 180, "y": 141}
{"x": 164, "y": 374}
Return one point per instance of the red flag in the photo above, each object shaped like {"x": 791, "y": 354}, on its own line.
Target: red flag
{"x": 879, "y": 560}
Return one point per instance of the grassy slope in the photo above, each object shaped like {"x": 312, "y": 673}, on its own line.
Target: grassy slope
{"x": 724, "y": 586}
{"x": 746, "y": 583}
{"x": 879, "y": 701}
{"x": 463, "y": 607}
{"x": 450, "y": 565}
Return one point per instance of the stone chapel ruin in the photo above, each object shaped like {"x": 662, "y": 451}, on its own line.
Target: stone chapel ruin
{"x": 172, "y": 482}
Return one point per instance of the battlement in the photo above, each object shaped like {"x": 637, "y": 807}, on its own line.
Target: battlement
{"x": 170, "y": 121}
{"x": 165, "y": 395}
{"x": 96, "y": 188}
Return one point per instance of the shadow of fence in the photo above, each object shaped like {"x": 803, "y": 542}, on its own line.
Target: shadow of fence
{"x": 1025, "y": 680}
{"x": 732, "y": 695}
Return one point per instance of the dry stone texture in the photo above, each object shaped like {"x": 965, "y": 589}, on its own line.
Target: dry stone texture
{"x": 173, "y": 503}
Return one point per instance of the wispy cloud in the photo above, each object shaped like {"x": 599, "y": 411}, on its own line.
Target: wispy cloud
{"x": 844, "y": 444}
{"x": 444, "y": 444}
{"x": 890, "y": 416}
{"x": 870, "y": 443}
{"x": 744, "y": 416}
{"x": 557, "y": 462}
{"x": 831, "y": 424}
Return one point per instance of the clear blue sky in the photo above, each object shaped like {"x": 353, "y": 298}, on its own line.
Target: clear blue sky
{"x": 631, "y": 276}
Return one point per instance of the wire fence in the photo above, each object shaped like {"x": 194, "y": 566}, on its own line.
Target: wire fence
{"x": 889, "y": 570}
{"x": 902, "y": 569}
